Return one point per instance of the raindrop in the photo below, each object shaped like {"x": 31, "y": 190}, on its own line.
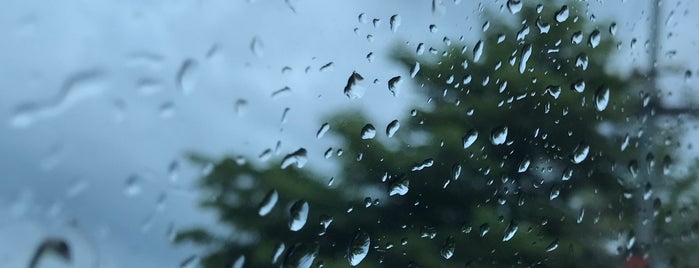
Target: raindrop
{"x": 499, "y": 135}
{"x": 392, "y": 128}
{"x": 285, "y": 91}
{"x": 51, "y": 247}
{"x": 132, "y": 185}
{"x": 352, "y": 89}
{"x": 301, "y": 255}
{"x": 239, "y": 263}
{"x": 433, "y": 28}
{"x": 188, "y": 76}
{"x": 524, "y": 165}
{"x": 268, "y": 203}
{"x": 395, "y": 22}
{"x": 633, "y": 168}
{"x": 358, "y": 248}
{"x": 667, "y": 164}
{"x": 323, "y": 129}
{"x": 510, "y": 231}
{"x": 526, "y": 53}
{"x": 299, "y": 157}
{"x": 455, "y": 171}
{"x": 399, "y": 187}
{"x": 448, "y": 248}
{"x": 298, "y": 215}
{"x": 581, "y": 216}
{"x": 420, "y": 48}
{"x": 327, "y": 67}
{"x": 376, "y": 23}
{"x": 567, "y": 174}
{"x": 577, "y": 37}
{"x": 257, "y": 47}
{"x": 469, "y": 138}
{"x": 602, "y": 98}
{"x": 368, "y": 132}
{"x": 362, "y": 18}
{"x": 77, "y": 88}
{"x": 484, "y": 229}
{"x": 514, "y": 6}
{"x": 578, "y": 86}
{"x": 562, "y": 14}
{"x": 553, "y": 246}
{"x": 555, "y": 192}
{"x": 414, "y": 70}
{"x": 554, "y": 91}
{"x": 594, "y": 39}
{"x": 478, "y": 51}
{"x": 612, "y": 29}
{"x": 580, "y": 153}
{"x": 394, "y": 85}
{"x": 241, "y": 107}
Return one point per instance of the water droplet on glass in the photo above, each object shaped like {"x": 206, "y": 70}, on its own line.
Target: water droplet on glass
{"x": 299, "y": 157}
{"x": 555, "y": 192}
{"x": 510, "y": 231}
{"x": 580, "y": 153}
{"x": 562, "y": 14}
{"x": 399, "y": 187}
{"x": 239, "y": 263}
{"x": 526, "y": 53}
{"x": 478, "y": 51}
{"x": 602, "y": 98}
{"x": 633, "y": 168}
{"x": 188, "y": 76}
{"x": 667, "y": 164}
{"x": 376, "y": 23}
{"x": 524, "y": 165}
{"x": 554, "y": 91}
{"x": 394, "y": 85}
{"x": 577, "y": 37}
{"x": 298, "y": 215}
{"x": 268, "y": 203}
{"x": 567, "y": 174}
{"x": 469, "y": 138}
{"x": 358, "y": 248}
{"x": 499, "y": 135}
{"x": 448, "y": 248}
{"x": 257, "y": 47}
{"x": 392, "y": 128}
{"x": 301, "y": 255}
{"x": 395, "y": 22}
{"x": 282, "y": 92}
{"x": 514, "y": 6}
{"x": 132, "y": 186}
{"x": 455, "y": 171}
{"x": 433, "y": 28}
{"x": 553, "y": 246}
{"x": 578, "y": 86}
{"x": 241, "y": 106}
{"x": 352, "y": 89}
{"x": 414, "y": 70}
{"x": 322, "y": 130}
{"x": 484, "y": 229}
{"x": 368, "y": 132}
{"x": 326, "y": 67}
{"x": 594, "y": 39}
{"x": 612, "y": 29}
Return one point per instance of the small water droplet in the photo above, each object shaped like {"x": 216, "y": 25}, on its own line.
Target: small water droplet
{"x": 577, "y": 37}
{"x": 399, "y": 187}
{"x": 299, "y": 157}
{"x": 257, "y": 47}
{"x": 602, "y": 98}
{"x": 326, "y": 67}
{"x": 358, "y": 247}
{"x": 554, "y": 91}
{"x": 455, "y": 171}
{"x": 499, "y": 135}
{"x": 298, "y": 215}
{"x": 268, "y": 203}
{"x": 510, "y": 231}
{"x": 567, "y": 174}
{"x": 414, "y": 70}
{"x": 667, "y": 165}
{"x": 553, "y": 246}
{"x": 580, "y": 153}
{"x": 433, "y": 28}
{"x": 322, "y": 130}
{"x": 448, "y": 248}
{"x": 612, "y": 29}
{"x": 594, "y": 39}
{"x": 478, "y": 51}
{"x": 469, "y": 138}
{"x": 132, "y": 185}
{"x": 394, "y": 85}
{"x": 484, "y": 229}
{"x": 578, "y": 86}
{"x": 240, "y": 107}
{"x": 633, "y": 168}
{"x": 526, "y": 53}
{"x": 524, "y": 165}
{"x": 301, "y": 255}
{"x": 392, "y": 128}
{"x": 555, "y": 192}
{"x": 188, "y": 76}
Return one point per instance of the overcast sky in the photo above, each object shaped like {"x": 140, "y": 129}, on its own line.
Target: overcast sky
{"x": 94, "y": 94}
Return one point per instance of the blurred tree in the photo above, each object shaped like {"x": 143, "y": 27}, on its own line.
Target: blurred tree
{"x": 529, "y": 153}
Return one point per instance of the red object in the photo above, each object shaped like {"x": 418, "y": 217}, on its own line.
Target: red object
{"x": 635, "y": 261}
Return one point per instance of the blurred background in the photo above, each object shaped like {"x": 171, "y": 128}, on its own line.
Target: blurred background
{"x": 300, "y": 133}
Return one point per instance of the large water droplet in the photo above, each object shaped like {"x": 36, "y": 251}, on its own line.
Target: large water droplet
{"x": 514, "y": 6}
{"x": 399, "y": 187}
{"x": 602, "y": 98}
{"x": 301, "y": 255}
{"x": 469, "y": 138}
{"x": 299, "y": 157}
{"x": 395, "y": 22}
{"x": 188, "y": 76}
{"x": 278, "y": 250}
{"x": 510, "y": 231}
{"x": 526, "y": 53}
{"x": 368, "y": 132}
{"x": 392, "y": 128}
{"x": 580, "y": 153}
{"x": 524, "y": 165}
{"x": 562, "y": 14}
{"x": 394, "y": 84}
{"x": 578, "y": 86}
{"x": 594, "y": 39}
{"x": 499, "y": 135}
{"x": 298, "y": 215}
{"x": 268, "y": 203}
{"x": 358, "y": 248}
{"x": 554, "y": 91}
{"x": 353, "y": 90}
